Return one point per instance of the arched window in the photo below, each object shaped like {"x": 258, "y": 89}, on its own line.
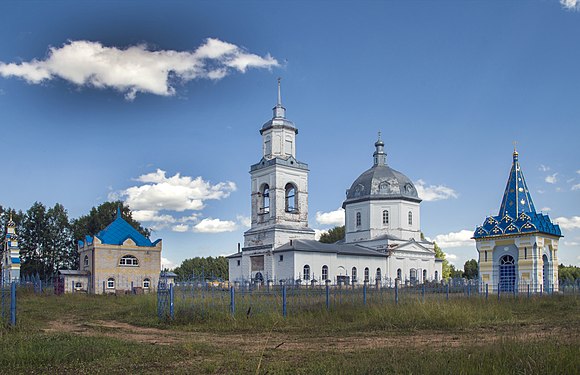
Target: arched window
{"x": 410, "y": 218}
{"x": 110, "y": 283}
{"x": 399, "y": 274}
{"x": 128, "y": 260}
{"x": 86, "y": 261}
{"x": 266, "y": 199}
{"x": 436, "y": 275}
{"x": 525, "y": 253}
{"x": 353, "y": 274}
{"x": 146, "y": 283}
{"x": 358, "y": 219}
{"x": 307, "y": 272}
{"x": 413, "y": 275}
{"x": 385, "y": 217}
{"x": 424, "y": 275}
{"x": 366, "y": 274}
{"x": 324, "y": 273}
{"x": 378, "y": 274}
{"x": 78, "y": 285}
{"x": 290, "y": 198}
{"x": 485, "y": 255}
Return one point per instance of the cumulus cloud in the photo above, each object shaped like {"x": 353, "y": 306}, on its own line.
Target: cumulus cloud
{"x": 568, "y": 223}
{"x": 434, "y": 192}
{"x": 180, "y": 228}
{"x": 318, "y": 233}
{"x": 571, "y": 4}
{"x": 136, "y": 69}
{"x": 455, "y": 239}
{"x": 544, "y": 168}
{"x": 245, "y": 221}
{"x": 166, "y": 263}
{"x": 450, "y": 256}
{"x": 576, "y": 187}
{"x": 335, "y": 218}
{"x": 552, "y": 179}
{"x": 209, "y": 225}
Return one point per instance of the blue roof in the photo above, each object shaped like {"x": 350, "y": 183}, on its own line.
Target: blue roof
{"x": 517, "y": 214}
{"x": 119, "y": 230}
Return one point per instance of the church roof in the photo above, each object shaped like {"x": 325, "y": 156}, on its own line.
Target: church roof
{"x": 517, "y": 214}
{"x": 320, "y": 247}
{"x": 119, "y": 231}
{"x": 381, "y": 182}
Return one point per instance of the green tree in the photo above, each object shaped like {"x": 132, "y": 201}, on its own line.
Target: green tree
{"x": 333, "y": 235}
{"x": 207, "y": 266}
{"x": 568, "y": 273}
{"x": 62, "y": 252}
{"x": 101, "y": 216}
{"x": 470, "y": 269}
{"x": 445, "y": 266}
{"x": 455, "y": 273}
{"x": 33, "y": 240}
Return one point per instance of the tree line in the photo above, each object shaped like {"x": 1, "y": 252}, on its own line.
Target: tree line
{"x": 48, "y": 238}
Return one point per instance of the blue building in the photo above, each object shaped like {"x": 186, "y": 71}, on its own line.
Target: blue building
{"x": 519, "y": 246}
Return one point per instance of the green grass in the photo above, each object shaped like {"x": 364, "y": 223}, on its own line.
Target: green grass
{"x": 29, "y": 348}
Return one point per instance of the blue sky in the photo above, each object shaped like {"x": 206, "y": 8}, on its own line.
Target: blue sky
{"x": 450, "y": 84}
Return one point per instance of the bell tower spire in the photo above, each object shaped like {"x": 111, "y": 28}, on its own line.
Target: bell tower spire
{"x": 379, "y": 156}
{"x": 279, "y": 110}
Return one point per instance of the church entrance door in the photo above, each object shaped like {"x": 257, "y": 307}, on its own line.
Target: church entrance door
{"x": 545, "y": 273}
{"x": 507, "y": 274}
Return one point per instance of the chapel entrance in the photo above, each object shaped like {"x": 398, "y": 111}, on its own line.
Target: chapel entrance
{"x": 507, "y": 274}
{"x": 545, "y": 273}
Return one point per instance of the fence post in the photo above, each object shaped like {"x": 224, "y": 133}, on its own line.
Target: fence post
{"x": 133, "y": 289}
{"x": 284, "y": 301}
{"x": 232, "y": 301}
{"x": 327, "y": 296}
{"x": 423, "y": 292}
{"x": 73, "y": 287}
{"x": 541, "y": 287}
{"x": 396, "y": 293}
{"x": 468, "y": 289}
{"x": 365, "y": 293}
{"x": 528, "y": 291}
{"x": 40, "y": 286}
{"x": 447, "y": 291}
{"x": 171, "y": 306}
{"x": 13, "y": 304}
{"x": 103, "y": 286}
{"x": 498, "y": 291}
{"x": 486, "y": 291}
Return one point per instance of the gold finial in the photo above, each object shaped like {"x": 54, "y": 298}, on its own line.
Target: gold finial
{"x": 379, "y": 135}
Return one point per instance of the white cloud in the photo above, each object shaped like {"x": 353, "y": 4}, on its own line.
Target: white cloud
{"x": 335, "y": 218}
{"x": 434, "y": 192}
{"x": 572, "y": 243}
{"x": 576, "y": 187}
{"x": 175, "y": 193}
{"x": 570, "y": 4}
{"x": 136, "y": 69}
{"x": 166, "y": 263}
{"x": 568, "y": 223}
{"x": 209, "y": 225}
{"x": 552, "y": 179}
{"x": 318, "y": 233}
{"x": 180, "y": 228}
{"x": 578, "y": 171}
{"x": 245, "y": 221}
{"x": 450, "y": 256}
{"x": 545, "y": 209}
{"x": 544, "y": 168}
{"x": 455, "y": 239}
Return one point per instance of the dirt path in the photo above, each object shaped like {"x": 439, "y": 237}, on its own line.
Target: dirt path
{"x": 280, "y": 341}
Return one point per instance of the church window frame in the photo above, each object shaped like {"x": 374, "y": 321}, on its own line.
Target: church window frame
{"x": 306, "y": 272}
{"x": 353, "y": 274}
{"x": 424, "y": 275}
{"x": 129, "y": 261}
{"x": 358, "y": 219}
{"x": 146, "y": 283}
{"x": 378, "y": 274}
{"x": 265, "y": 191}
{"x": 78, "y": 285}
{"x": 86, "y": 262}
{"x": 399, "y": 273}
{"x": 525, "y": 253}
{"x": 324, "y": 272}
{"x": 485, "y": 255}
{"x": 239, "y": 262}
{"x": 367, "y": 274}
{"x": 410, "y": 217}
{"x": 385, "y": 217}
{"x": 436, "y": 275}
{"x": 111, "y": 283}
{"x": 291, "y": 198}
{"x": 413, "y": 275}
{"x": 281, "y": 258}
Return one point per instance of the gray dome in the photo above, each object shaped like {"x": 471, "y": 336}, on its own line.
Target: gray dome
{"x": 382, "y": 182}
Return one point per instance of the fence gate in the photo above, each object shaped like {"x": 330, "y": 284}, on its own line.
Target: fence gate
{"x": 164, "y": 299}
{"x": 8, "y": 303}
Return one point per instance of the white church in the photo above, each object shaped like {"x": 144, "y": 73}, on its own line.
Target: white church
{"x": 382, "y": 223}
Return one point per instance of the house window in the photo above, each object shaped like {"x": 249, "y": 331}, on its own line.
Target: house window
{"x": 266, "y": 199}
{"x": 358, "y": 219}
{"x": 385, "y": 217}
{"x": 86, "y": 261}
{"x": 353, "y": 273}
{"x": 146, "y": 283}
{"x": 128, "y": 260}
{"x": 307, "y": 272}
{"x": 325, "y": 273}
{"x": 281, "y": 258}
{"x": 239, "y": 262}
{"x": 366, "y": 274}
{"x": 399, "y": 274}
{"x": 378, "y": 274}
{"x": 410, "y": 218}
{"x": 110, "y": 283}
{"x": 290, "y": 198}
{"x": 424, "y": 275}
